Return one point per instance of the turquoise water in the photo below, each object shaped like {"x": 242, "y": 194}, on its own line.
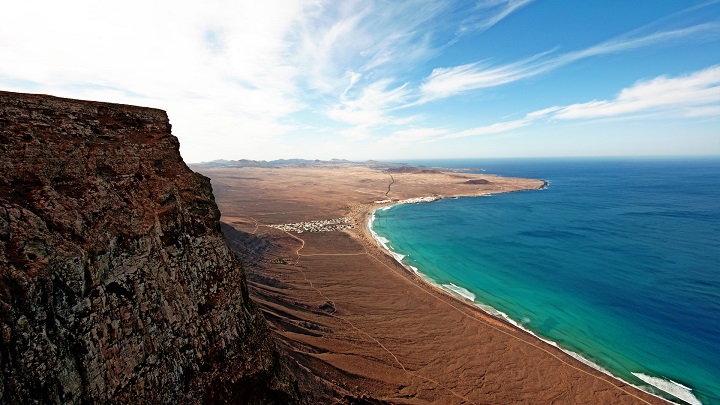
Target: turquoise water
{"x": 618, "y": 260}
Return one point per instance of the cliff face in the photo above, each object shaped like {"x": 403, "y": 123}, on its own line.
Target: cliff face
{"x": 115, "y": 281}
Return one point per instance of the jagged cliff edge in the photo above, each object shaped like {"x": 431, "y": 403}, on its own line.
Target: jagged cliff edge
{"x": 116, "y": 284}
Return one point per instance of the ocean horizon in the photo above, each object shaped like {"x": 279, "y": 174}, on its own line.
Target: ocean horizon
{"x": 616, "y": 261}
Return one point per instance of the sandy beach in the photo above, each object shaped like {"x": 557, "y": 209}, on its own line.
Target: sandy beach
{"x": 347, "y": 311}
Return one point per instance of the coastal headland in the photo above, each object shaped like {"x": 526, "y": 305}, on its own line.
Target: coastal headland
{"x": 354, "y": 317}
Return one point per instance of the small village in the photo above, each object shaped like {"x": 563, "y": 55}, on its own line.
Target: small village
{"x": 419, "y": 200}
{"x": 328, "y": 225}
{"x": 339, "y": 224}
{"x": 415, "y": 200}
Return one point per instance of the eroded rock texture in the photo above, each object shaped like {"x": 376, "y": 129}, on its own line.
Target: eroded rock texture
{"x": 116, "y": 284}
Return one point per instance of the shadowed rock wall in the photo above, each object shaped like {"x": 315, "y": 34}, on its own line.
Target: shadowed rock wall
{"x": 116, "y": 284}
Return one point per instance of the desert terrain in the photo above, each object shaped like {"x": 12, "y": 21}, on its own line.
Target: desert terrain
{"x": 357, "y": 319}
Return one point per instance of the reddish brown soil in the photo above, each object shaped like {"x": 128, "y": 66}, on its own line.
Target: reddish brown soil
{"x": 357, "y": 319}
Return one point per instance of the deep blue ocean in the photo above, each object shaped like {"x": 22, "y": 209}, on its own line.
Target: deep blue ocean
{"x": 617, "y": 260}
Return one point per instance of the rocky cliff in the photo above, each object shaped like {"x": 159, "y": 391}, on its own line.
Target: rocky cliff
{"x": 116, "y": 284}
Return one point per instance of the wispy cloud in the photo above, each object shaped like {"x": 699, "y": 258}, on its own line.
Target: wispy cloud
{"x": 696, "y": 94}
{"x": 447, "y": 82}
{"x": 487, "y": 13}
{"x": 370, "y": 107}
{"x": 351, "y": 54}
{"x": 362, "y": 37}
{"x": 374, "y": 105}
{"x": 490, "y": 129}
{"x": 693, "y": 95}
{"x": 637, "y": 39}
{"x": 419, "y": 135}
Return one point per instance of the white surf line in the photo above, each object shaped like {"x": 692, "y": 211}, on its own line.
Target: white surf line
{"x": 468, "y": 295}
{"x": 489, "y": 310}
{"x": 525, "y": 341}
{"x": 671, "y": 387}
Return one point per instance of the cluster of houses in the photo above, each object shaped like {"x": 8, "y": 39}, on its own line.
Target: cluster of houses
{"x": 418, "y": 200}
{"x": 338, "y": 224}
{"x": 415, "y": 200}
{"x": 327, "y": 225}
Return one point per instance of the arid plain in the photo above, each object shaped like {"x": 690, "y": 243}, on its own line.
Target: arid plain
{"x": 345, "y": 310}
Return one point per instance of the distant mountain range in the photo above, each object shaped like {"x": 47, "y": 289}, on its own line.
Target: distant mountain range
{"x": 294, "y": 163}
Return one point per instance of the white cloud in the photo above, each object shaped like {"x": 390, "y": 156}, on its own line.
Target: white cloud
{"x": 446, "y": 82}
{"x": 542, "y": 113}
{"x": 362, "y": 36}
{"x": 370, "y": 108}
{"x": 490, "y": 129}
{"x": 691, "y": 95}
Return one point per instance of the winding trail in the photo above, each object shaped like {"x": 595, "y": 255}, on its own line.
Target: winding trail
{"x": 257, "y": 225}
{"x": 392, "y": 180}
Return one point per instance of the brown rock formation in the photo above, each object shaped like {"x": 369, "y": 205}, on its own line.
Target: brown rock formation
{"x": 477, "y": 181}
{"x": 116, "y": 284}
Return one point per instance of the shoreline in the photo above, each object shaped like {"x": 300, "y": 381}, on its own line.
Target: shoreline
{"x": 351, "y": 313}
{"x": 488, "y": 310}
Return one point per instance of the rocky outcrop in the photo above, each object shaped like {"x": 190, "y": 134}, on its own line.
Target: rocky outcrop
{"x": 477, "y": 181}
{"x": 116, "y": 284}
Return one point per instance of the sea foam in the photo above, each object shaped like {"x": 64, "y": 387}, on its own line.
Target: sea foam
{"x": 459, "y": 291}
{"x": 671, "y": 387}
{"x": 381, "y": 240}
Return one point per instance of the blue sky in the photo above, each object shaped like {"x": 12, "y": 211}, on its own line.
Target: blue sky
{"x": 386, "y": 79}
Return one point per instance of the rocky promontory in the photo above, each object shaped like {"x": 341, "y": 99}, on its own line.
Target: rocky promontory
{"x": 116, "y": 284}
